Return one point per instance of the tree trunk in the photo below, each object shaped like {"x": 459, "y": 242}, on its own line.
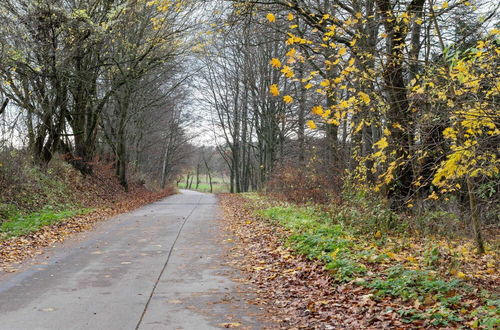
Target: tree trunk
{"x": 197, "y": 175}
{"x": 399, "y": 113}
{"x": 4, "y": 105}
{"x": 301, "y": 120}
{"x": 475, "y": 223}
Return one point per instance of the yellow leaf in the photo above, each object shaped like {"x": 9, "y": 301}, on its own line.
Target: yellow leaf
{"x": 364, "y": 97}
{"x": 359, "y": 127}
{"x": 317, "y": 110}
{"x": 461, "y": 275}
{"x": 291, "y": 52}
{"x": 342, "y": 51}
{"x": 344, "y": 105}
{"x": 397, "y": 125}
{"x": 287, "y": 71}
{"x": 273, "y": 89}
{"x": 445, "y": 5}
{"x": 333, "y": 121}
{"x": 412, "y": 259}
{"x": 275, "y": 63}
{"x": 230, "y": 325}
{"x": 290, "y": 16}
{"x": 325, "y": 83}
{"x": 433, "y": 196}
{"x": 382, "y": 143}
{"x": 391, "y": 255}
{"x": 271, "y": 18}
{"x": 311, "y": 124}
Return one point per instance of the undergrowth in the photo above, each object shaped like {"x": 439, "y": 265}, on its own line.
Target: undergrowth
{"x": 25, "y": 188}
{"x": 363, "y": 242}
{"x": 32, "y": 197}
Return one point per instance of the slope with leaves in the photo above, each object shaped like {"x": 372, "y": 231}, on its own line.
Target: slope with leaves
{"x": 316, "y": 272}
{"x": 49, "y": 216}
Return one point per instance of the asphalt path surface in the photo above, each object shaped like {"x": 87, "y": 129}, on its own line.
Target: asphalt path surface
{"x": 158, "y": 267}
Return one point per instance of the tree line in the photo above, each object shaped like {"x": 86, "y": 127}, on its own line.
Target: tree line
{"x": 95, "y": 78}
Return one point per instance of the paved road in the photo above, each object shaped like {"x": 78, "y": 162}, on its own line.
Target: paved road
{"x": 158, "y": 267}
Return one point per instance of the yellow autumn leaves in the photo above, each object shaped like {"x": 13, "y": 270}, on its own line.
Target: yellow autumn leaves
{"x": 271, "y": 18}
{"x": 472, "y": 123}
{"x": 364, "y": 97}
{"x": 275, "y": 63}
{"x": 311, "y": 124}
{"x": 317, "y": 110}
{"x": 286, "y": 70}
{"x": 274, "y": 91}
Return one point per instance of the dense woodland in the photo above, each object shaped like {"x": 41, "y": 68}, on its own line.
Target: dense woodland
{"x": 398, "y": 99}
{"x": 96, "y": 79}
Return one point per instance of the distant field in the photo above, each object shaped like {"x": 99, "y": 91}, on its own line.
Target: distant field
{"x": 204, "y": 186}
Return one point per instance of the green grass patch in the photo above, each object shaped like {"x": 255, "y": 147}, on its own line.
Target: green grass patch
{"x": 315, "y": 236}
{"x": 23, "y": 224}
{"x": 205, "y": 187}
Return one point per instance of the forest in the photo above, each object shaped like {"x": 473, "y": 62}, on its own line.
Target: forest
{"x": 380, "y": 115}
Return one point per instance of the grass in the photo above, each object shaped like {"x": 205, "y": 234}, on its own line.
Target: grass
{"x": 361, "y": 244}
{"x": 204, "y": 186}
{"x": 315, "y": 236}
{"x": 20, "y": 224}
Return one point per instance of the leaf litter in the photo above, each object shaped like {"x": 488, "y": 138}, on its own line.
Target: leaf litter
{"x": 300, "y": 293}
